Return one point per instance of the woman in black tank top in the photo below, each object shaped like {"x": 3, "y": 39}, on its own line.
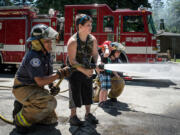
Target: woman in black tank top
{"x": 81, "y": 47}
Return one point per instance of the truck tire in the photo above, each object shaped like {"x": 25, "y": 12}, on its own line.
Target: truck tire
{"x": 1, "y": 65}
{"x": 123, "y": 57}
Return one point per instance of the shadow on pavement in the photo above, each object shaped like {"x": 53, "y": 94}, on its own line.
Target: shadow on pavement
{"x": 39, "y": 130}
{"x": 176, "y": 88}
{"x": 151, "y": 83}
{"x": 115, "y": 108}
{"x": 86, "y": 129}
{"x": 7, "y": 75}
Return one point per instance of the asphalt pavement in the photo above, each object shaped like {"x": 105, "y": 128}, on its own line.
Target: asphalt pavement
{"x": 146, "y": 107}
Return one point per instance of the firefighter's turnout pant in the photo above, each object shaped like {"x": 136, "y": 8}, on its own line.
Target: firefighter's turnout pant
{"x": 117, "y": 87}
{"x": 38, "y": 105}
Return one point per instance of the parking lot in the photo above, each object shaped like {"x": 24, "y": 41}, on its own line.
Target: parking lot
{"x": 146, "y": 107}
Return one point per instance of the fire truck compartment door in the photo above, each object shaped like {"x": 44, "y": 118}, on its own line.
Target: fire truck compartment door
{"x": 13, "y": 35}
{"x": 15, "y": 31}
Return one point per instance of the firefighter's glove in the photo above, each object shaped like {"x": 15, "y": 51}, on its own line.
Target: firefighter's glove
{"x": 64, "y": 72}
{"x": 54, "y": 90}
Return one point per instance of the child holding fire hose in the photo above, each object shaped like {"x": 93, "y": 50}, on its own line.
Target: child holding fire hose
{"x": 110, "y": 53}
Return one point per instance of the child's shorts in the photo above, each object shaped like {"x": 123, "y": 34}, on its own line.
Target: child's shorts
{"x": 105, "y": 81}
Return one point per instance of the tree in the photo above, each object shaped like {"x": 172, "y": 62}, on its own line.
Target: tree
{"x": 5, "y": 3}
{"x": 44, "y": 5}
{"x": 169, "y": 11}
{"x": 157, "y": 10}
{"x": 174, "y": 18}
{"x": 22, "y": 2}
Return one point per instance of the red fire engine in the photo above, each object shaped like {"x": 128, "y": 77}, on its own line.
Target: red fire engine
{"x": 133, "y": 28}
{"x": 15, "y": 26}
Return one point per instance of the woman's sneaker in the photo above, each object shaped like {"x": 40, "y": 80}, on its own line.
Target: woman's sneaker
{"x": 91, "y": 118}
{"x": 75, "y": 121}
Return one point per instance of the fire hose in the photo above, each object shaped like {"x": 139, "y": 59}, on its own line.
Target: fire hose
{"x": 63, "y": 73}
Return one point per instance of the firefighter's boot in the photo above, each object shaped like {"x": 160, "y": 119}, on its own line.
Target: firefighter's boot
{"x": 17, "y": 108}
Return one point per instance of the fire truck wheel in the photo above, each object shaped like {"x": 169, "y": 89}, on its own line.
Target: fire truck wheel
{"x": 123, "y": 57}
{"x": 2, "y": 67}
{"x": 14, "y": 69}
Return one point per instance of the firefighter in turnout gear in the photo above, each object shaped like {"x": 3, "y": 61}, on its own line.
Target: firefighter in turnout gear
{"x": 107, "y": 80}
{"x": 35, "y": 104}
{"x": 117, "y": 82}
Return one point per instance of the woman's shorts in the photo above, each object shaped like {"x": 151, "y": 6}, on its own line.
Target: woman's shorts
{"x": 80, "y": 90}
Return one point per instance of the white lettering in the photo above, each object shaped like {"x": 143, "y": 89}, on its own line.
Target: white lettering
{"x": 135, "y": 39}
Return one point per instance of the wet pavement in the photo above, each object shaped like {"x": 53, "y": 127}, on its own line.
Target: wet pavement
{"x": 146, "y": 107}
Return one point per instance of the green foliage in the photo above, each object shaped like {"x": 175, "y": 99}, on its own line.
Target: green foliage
{"x": 177, "y": 60}
{"x": 176, "y": 8}
{"x": 170, "y": 12}
{"x": 157, "y": 6}
{"x": 22, "y": 2}
{"x": 174, "y": 17}
{"x": 5, "y": 3}
{"x": 132, "y": 4}
{"x": 44, "y": 5}
{"x": 58, "y": 4}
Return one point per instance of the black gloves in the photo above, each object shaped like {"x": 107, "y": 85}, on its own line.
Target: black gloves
{"x": 53, "y": 89}
{"x": 64, "y": 72}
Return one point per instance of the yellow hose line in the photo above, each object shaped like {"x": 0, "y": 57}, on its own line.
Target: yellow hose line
{"x": 6, "y": 120}
{"x": 64, "y": 91}
{"x": 59, "y": 82}
{"x": 77, "y": 65}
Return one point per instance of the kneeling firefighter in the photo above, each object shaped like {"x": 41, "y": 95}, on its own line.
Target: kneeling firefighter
{"x": 117, "y": 83}
{"x": 34, "y": 104}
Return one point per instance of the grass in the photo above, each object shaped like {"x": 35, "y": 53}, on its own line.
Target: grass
{"x": 177, "y": 60}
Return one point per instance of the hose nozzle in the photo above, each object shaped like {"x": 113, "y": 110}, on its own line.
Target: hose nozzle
{"x": 101, "y": 66}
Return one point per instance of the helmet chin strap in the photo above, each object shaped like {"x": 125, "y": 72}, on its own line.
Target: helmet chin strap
{"x": 43, "y": 46}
